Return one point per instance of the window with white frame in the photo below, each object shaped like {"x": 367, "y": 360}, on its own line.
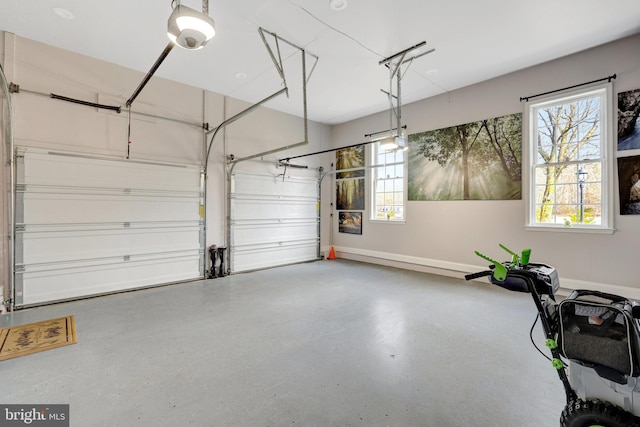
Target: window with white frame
{"x": 388, "y": 190}
{"x": 571, "y": 161}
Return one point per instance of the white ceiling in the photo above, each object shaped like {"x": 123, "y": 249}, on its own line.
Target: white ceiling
{"x": 474, "y": 41}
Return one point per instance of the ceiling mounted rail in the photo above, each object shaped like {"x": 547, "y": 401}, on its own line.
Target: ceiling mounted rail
{"x": 237, "y": 117}
{"x": 392, "y": 134}
{"x": 278, "y": 62}
{"x": 150, "y": 74}
{"x": 402, "y": 53}
{"x": 395, "y": 137}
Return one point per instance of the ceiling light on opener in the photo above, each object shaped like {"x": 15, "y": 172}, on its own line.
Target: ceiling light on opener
{"x": 388, "y": 144}
{"x": 189, "y": 28}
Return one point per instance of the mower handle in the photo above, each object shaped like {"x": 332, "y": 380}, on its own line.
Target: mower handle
{"x": 514, "y": 280}
{"x": 478, "y": 275}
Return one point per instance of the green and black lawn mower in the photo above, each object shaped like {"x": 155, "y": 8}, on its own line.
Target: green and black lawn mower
{"x": 593, "y": 338}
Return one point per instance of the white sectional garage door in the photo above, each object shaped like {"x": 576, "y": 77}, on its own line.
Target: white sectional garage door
{"x": 274, "y": 221}
{"x": 93, "y": 225}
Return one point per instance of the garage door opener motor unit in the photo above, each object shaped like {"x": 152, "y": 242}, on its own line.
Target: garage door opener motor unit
{"x": 593, "y": 338}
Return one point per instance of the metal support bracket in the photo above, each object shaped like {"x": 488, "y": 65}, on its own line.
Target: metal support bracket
{"x": 395, "y": 63}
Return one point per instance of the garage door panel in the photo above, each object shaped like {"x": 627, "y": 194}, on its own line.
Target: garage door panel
{"x": 275, "y": 210}
{"x": 50, "y": 247}
{"x": 269, "y": 185}
{"x": 91, "y": 225}
{"x": 263, "y": 233}
{"x": 270, "y": 256}
{"x": 63, "y": 169}
{"x": 108, "y": 277}
{"x": 78, "y": 208}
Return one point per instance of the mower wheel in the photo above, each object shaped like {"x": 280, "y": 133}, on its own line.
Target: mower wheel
{"x": 595, "y": 413}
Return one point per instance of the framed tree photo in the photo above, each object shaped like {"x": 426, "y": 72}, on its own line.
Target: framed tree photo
{"x": 350, "y": 194}
{"x": 350, "y": 158}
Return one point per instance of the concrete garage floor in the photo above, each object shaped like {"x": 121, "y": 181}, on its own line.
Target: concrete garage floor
{"x": 329, "y": 343}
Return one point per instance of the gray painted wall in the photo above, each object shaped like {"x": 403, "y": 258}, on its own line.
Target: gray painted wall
{"x": 444, "y": 234}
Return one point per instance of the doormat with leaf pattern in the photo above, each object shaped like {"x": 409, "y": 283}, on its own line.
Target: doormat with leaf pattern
{"x": 16, "y": 341}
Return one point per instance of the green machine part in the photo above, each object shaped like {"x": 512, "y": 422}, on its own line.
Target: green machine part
{"x": 500, "y": 271}
{"x": 516, "y": 260}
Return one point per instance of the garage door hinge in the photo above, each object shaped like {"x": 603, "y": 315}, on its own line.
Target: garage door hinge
{"x": 21, "y": 187}
{"x": 19, "y": 269}
{"x": 127, "y": 257}
{"x": 21, "y": 227}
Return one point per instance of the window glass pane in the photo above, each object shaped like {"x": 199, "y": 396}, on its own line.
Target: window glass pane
{"x": 544, "y": 138}
{"x": 568, "y": 213}
{"x": 544, "y": 174}
{"x": 592, "y": 193}
{"x": 544, "y": 215}
{"x": 388, "y": 185}
{"x": 397, "y": 198}
{"x": 592, "y": 214}
{"x": 593, "y": 171}
{"x": 569, "y": 152}
{"x": 567, "y": 174}
{"x": 590, "y": 150}
{"x": 545, "y": 193}
{"x": 389, "y": 157}
{"x": 388, "y": 198}
{"x": 566, "y": 194}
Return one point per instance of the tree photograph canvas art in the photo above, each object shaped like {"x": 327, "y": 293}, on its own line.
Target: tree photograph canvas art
{"x": 350, "y": 194}
{"x": 474, "y": 161}
{"x": 350, "y": 158}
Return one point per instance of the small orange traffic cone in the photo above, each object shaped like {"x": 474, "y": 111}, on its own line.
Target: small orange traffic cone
{"x": 332, "y": 254}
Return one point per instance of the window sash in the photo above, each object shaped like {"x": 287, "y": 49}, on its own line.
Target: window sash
{"x": 388, "y": 185}
{"x": 566, "y": 208}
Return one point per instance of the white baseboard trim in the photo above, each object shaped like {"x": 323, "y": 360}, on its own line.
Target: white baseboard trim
{"x": 625, "y": 291}
{"x": 385, "y": 258}
{"x": 454, "y": 269}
